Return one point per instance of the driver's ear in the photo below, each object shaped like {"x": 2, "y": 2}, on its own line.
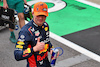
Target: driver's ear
{"x": 33, "y": 13}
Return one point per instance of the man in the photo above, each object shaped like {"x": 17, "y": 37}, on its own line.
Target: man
{"x": 33, "y": 42}
{"x": 19, "y": 6}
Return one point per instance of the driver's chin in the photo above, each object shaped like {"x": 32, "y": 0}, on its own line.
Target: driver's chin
{"x": 40, "y": 23}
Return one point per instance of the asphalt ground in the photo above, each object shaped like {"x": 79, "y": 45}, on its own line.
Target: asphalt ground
{"x": 89, "y": 39}
{"x": 70, "y": 58}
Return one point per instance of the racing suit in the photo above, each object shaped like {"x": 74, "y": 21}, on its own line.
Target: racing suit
{"x": 28, "y": 39}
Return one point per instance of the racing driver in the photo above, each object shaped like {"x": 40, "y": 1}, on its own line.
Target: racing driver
{"x": 33, "y": 41}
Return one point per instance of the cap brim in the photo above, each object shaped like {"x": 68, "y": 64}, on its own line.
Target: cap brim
{"x": 40, "y": 13}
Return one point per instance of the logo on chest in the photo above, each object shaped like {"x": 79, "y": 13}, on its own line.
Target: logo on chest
{"x": 37, "y": 33}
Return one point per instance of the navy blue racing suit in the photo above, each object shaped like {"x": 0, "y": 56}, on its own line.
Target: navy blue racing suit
{"x": 28, "y": 39}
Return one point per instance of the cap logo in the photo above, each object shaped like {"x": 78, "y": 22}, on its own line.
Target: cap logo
{"x": 37, "y": 9}
{"x": 44, "y": 9}
{"x": 41, "y": 4}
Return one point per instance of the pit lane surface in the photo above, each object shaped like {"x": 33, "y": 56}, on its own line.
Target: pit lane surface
{"x": 70, "y": 58}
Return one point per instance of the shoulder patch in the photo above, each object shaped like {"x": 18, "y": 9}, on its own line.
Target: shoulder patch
{"x": 45, "y": 24}
{"x": 46, "y": 28}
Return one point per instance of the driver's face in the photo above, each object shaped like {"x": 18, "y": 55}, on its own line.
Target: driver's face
{"x": 39, "y": 20}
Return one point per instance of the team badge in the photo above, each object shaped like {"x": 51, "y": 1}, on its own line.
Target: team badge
{"x": 37, "y": 33}
{"x": 45, "y": 24}
{"x": 42, "y": 26}
{"x": 32, "y": 30}
{"x": 22, "y": 36}
{"x": 19, "y": 46}
{"x": 20, "y": 43}
{"x": 28, "y": 50}
{"x": 46, "y": 28}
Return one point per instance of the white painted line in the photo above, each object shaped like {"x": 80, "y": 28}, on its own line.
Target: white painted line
{"x": 89, "y": 3}
{"x": 75, "y": 47}
{"x": 2, "y": 27}
{"x": 72, "y": 61}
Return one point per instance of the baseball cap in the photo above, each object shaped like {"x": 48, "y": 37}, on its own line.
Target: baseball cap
{"x": 40, "y": 8}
